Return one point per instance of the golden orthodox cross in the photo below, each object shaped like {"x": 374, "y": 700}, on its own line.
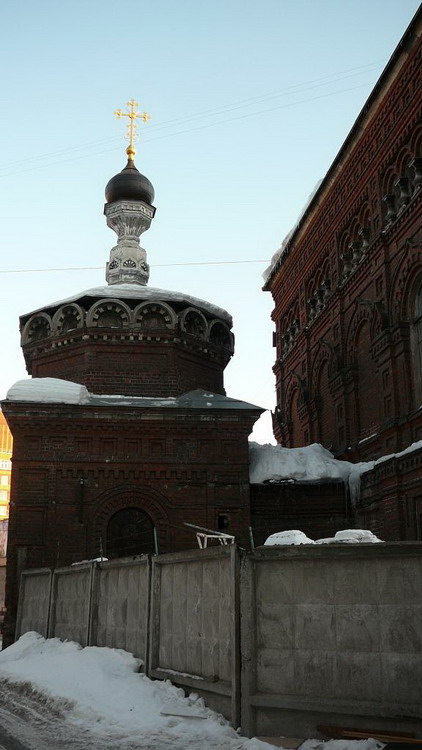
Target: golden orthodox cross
{"x": 133, "y": 115}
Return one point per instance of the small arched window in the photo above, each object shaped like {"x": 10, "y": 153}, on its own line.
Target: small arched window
{"x": 130, "y": 532}
{"x": 417, "y": 343}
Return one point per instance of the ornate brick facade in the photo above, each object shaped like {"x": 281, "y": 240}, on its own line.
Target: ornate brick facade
{"x": 348, "y": 284}
{"x": 347, "y": 289}
{"x": 76, "y": 467}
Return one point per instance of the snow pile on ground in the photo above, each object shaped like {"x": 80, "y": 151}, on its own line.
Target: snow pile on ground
{"x": 346, "y": 536}
{"x": 48, "y": 390}
{"x": 101, "y": 690}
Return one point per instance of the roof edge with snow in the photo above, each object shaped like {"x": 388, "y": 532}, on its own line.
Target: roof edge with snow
{"x": 384, "y": 81}
{"x": 57, "y": 391}
{"x": 141, "y": 293}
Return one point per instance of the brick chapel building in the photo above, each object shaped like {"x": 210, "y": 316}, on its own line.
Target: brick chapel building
{"x": 347, "y": 290}
{"x": 124, "y": 432}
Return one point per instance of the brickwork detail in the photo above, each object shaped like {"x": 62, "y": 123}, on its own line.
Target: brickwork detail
{"x": 345, "y": 284}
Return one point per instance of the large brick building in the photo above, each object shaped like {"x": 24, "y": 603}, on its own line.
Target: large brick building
{"x": 124, "y": 431}
{"x": 347, "y": 289}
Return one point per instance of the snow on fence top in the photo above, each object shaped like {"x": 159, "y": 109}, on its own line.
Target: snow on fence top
{"x": 345, "y": 536}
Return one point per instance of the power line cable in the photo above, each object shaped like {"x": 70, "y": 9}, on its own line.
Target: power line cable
{"x": 259, "y": 99}
{"x": 190, "y": 130}
{"x": 156, "y": 265}
{"x": 294, "y": 88}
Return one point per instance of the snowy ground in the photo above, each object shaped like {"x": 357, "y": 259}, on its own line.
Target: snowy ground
{"x": 56, "y": 694}
{"x": 59, "y": 695}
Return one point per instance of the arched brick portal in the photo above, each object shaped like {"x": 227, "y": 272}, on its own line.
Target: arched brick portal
{"x": 144, "y": 499}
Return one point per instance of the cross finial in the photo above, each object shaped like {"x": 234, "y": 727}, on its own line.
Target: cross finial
{"x": 132, "y": 128}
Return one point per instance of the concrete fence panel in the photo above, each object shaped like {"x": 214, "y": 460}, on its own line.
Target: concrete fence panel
{"x": 70, "y": 611}
{"x": 34, "y": 601}
{"x": 332, "y": 635}
{"x": 194, "y": 624}
{"x": 324, "y": 634}
{"x": 120, "y": 607}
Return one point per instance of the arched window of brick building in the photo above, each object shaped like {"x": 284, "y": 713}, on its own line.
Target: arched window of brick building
{"x": 297, "y": 436}
{"x": 130, "y": 532}
{"x": 325, "y": 408}
{"x": 416, "y": 160}
{"x": 345, "y": 255}
{"x": 403, "y": 186}
{"x": 417, "y": 344}
{"x": 368, "y": 388}
{"x": 365, "y": 228}
{"x": 390, "y": 194}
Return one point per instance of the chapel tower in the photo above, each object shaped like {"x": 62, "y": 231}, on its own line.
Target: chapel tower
{"x": 126, "y": 337}
{"x": 124, "y": 432}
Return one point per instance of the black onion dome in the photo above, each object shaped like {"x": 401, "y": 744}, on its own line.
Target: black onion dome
{"x": 129, "y": 184}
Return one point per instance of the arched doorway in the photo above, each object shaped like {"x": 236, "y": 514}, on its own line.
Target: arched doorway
{"x": 130, "y": 532}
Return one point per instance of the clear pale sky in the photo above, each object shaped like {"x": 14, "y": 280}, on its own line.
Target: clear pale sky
{"x": 250, "y": 102}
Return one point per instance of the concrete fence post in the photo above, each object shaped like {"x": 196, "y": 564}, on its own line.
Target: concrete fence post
{"x": 247, "y": 643}
{"x": 148, "y": 631}
{"x": 93, "y": 594}
{"x": 154, "y": 618}
{"x": 23, "y": 616}
{"x": 235, "y": 635}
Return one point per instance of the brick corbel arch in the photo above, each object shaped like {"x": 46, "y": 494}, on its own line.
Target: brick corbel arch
{"x": 404, "y": 279}
{"x": 299, "y": 384}
{"x": 323, "y": 354}
{"x": 155, "y": 504}
{"x": 362, "y": 314}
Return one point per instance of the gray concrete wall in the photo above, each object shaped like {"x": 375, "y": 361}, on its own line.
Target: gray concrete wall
{"x": 120, "y": 606}
{"x": 332, "y": 635}
{"x": 70, "y": 608}
{"x": 34, "y": 602}
{"x": 194, "y": 624}
{"x": 327, "y": 635}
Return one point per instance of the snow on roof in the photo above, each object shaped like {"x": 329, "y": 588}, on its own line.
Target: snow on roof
{"x": 48, "y": 390}
{"x": 54, "y": 390}
{"x": 312, "y": 463}
{"x": 143, "y": 293}
{"x": 280, "y": 252}
{"x": 272, "y": 463}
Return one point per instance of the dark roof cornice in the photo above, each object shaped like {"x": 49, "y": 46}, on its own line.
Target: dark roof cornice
{"x": 384, "y": 81}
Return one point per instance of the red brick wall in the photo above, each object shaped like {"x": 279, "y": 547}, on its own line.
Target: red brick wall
{"x": 174, "y": 465}
{"x": 390, "y": 502}
{"x": 358, "y": 321}
{"x": 132, "y": 368}
{"x": 319, "y": 510}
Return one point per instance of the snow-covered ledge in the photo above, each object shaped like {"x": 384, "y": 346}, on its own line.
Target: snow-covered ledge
{"x": 48, "y": 391}
{"x": 312, "y": 463}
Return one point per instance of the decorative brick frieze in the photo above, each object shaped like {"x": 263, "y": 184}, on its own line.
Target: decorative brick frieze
{"x": 371, "y": 253}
